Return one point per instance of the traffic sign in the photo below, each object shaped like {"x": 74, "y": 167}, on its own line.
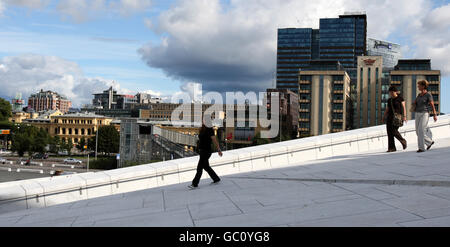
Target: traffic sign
{"x": 5, "y": 132}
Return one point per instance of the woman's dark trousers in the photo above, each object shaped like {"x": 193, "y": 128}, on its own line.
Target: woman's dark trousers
{"x": 392, "y": 132}
{"x": 203, "y": 163}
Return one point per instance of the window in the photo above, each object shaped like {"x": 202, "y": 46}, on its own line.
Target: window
{"x": 304, "y": 115}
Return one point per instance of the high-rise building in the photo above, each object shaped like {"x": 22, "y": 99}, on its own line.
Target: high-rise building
{"x": 125, "y": 101}
{"x": 390, "y": 52}
{"x": 369, "y": 111}
{"x": 295, "y": 50}
{"x": 48, "y": 100}
{"x": 288, "y": 103}
{"x": 145, "y": 98}
{"x": 408, "y": 72}
{"x": 107, "y": 100}
{"x": 324, "y": 99}
{"x": 17, "y": 103}
{"x": 342, "y": 39}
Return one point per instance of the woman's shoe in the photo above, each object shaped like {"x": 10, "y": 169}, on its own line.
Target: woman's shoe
{"x": 405, "y": 145}
{"x": 420, "y": 151}
{"x": 215, "y": 182}
{"x": 428, "y": 148}
{"x": 391, "y": 150}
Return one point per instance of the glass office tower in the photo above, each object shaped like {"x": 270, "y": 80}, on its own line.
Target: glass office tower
{"x": 343, "y": 39}
{"x": 296, "y": 48}
{"x": 340, "y": 39}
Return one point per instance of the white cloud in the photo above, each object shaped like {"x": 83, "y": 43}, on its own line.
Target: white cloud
{"x": 431, "y": 38}
{"x": 30, "y": 72}
{"x": 127, "y": 7}
{"x": 233, "y": 45}
{"x": 32, "y": 4}
{"x": 148, "y": 23}
{"x": 84, "y": 10}
{"x": 2, "y": 8}
{"x": 193, "y": 89}
{"x": 152, "y": 93}
{"x": 28, "y": 3}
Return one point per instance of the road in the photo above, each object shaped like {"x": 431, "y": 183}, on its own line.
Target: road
{"x": 6, "y": 176}
{"x": 33, "y": 171}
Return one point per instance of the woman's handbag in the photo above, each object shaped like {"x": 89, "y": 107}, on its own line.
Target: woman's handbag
{"x": 397, "y": 121}
{"x": 413, "y": 107}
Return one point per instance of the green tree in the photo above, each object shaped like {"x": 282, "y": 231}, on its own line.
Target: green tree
{"x": 257, "y": 140}
{"x": 20, "y": 143}
{"x": 40, "y": 141}
{"x": 29, "y": 139}
{"x": 55, "y": 144}
{"x": 81, "y": 144}
{"x": 68, "y": 145}
{"x": 5, "y": 110}
{"x": 108, "y": 140}
{"x": 91, "y": 143}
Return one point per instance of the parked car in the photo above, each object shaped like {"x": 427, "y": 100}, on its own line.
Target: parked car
{"x": 72, "y": 161}
{"x": 2, "y": 160}
{"x": 4, "y": 151}
{"x": 40, "y": 156}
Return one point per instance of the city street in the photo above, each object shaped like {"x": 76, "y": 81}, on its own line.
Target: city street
{"x": 49, "y": 166}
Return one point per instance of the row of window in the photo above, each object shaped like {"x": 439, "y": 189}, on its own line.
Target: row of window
{"x": 293, "y": 60}
{"x": 288, "y": 70}
{"x": 288, "y": 51}
{"x": 70, "y": 131}
{"x": 297, "y": 45}
{"x": 293, "y": 55}
{"x": 285, "y": 84}
{"x": 295, "y": 65}
{"x": 281, "y": 75}
{"x": 295, "y": 36}
{"x": 294, "y": 30}
{"x": 75, "y": 121}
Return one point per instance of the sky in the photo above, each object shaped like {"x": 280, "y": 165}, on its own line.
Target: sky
{"x": 166, "y": 47}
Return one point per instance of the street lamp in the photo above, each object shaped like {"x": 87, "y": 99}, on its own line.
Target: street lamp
{"x": 96, "y": 140}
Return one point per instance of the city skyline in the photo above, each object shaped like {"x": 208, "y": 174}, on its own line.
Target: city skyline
{"x": 79, "y": 50}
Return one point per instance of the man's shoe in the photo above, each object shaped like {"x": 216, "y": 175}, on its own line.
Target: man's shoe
{"x": 420, "y": 151}
{"x": 391, "y": 150}
{"x": 428, "y": 148}
{"x": 192, "y": 187}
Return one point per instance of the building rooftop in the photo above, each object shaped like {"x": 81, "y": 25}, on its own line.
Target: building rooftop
{"x": 324, "y": 64}
{"x": 81, "y": 115}
{"x": 413, "y": 64}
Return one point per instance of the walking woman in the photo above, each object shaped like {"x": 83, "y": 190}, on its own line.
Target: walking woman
{"x": 206, "y": 138}
{"x": 424, "y": 103}
{"x": 394, "y": 115}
